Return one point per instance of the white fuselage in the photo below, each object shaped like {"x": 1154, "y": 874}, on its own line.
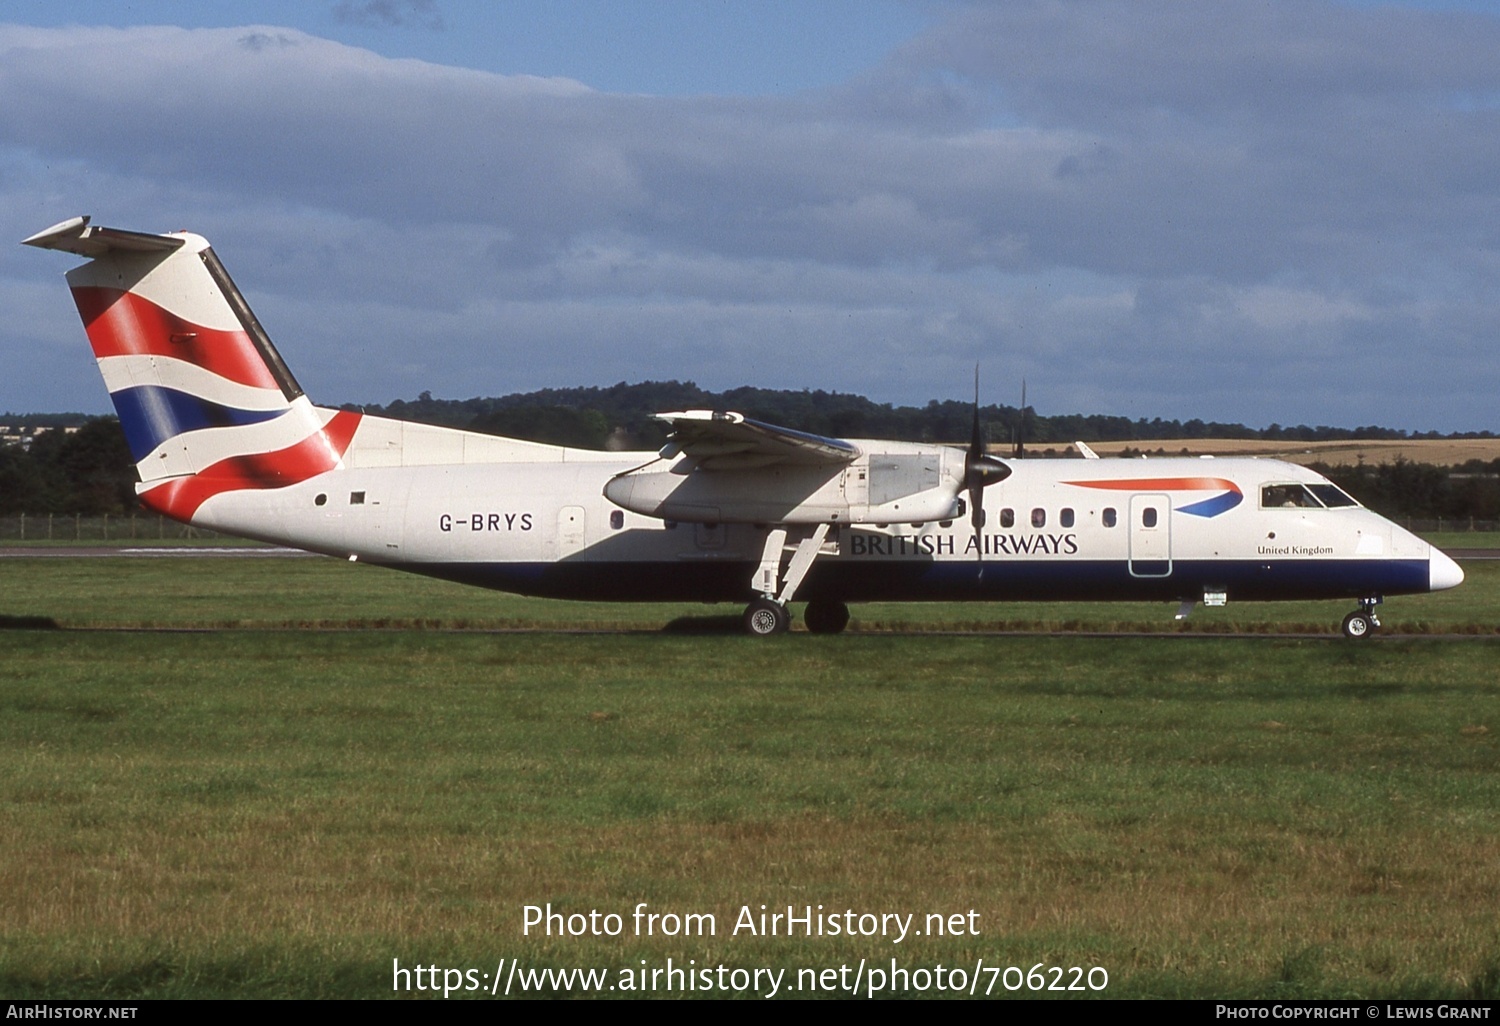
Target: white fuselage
{"x": 535, "y": 519}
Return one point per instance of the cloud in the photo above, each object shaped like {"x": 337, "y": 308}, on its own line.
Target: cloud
{"x": 1240, "y": 211}
{"x": 389, "y": 13}
{"x": 1249, "y": 138}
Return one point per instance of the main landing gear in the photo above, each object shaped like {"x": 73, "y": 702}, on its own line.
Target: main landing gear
{"x": 1362, "y": 622}
{"x": 826, "y": 616}
{"x": 768, "y": 614}
{"x": 765, "y": 617}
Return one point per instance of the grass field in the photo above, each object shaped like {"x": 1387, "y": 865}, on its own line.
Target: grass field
{"x": 271, "y": 812}
{"x": 188, "y": 591}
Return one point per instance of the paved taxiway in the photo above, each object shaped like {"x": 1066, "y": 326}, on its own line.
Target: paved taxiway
{"x": 149, "y": 552}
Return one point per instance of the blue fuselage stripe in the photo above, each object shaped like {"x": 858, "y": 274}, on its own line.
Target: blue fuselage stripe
{"x": 914, "y": 581}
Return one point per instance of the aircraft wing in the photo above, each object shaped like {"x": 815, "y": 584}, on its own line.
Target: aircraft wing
{"x": 732, "y": 441}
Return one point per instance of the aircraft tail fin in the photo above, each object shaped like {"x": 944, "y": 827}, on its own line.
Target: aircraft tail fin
{"x": 205, "y": 400}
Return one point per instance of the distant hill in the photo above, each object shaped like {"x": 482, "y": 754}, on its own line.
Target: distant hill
{"x": 1439, "y": 452}
{"x": 621, "y": 415}
{"x": 30, "y": 421}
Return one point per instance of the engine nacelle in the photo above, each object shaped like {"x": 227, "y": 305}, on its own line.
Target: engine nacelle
{"x": 899, "y": 484}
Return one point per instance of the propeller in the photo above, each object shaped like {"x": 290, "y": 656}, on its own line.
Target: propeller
{"x": 980, "y": 471}
{"x": 1018, "y": 436}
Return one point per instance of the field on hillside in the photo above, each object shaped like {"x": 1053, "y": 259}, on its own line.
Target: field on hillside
{"x": 1442, "y": 452}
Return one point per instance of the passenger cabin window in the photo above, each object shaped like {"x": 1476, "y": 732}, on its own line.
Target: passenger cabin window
{"x": 1038, "y": 517}
{"x": 1007, "y": 518}
{"x": 1148, "y": 517}
{"x": 1066, "y": 517}
{"x": 1110, "y": 517}
{"x": 616, "y": 519}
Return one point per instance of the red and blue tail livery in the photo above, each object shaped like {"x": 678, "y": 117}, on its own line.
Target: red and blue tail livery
{"x": 732, "y": 510}
{"x": 205, "y": 401}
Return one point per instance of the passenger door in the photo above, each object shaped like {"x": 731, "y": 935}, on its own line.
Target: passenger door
{"x": 1150, "y": 536}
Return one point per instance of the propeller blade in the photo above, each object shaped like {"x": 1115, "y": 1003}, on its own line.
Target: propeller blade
{"x": 1020, "y": 432}
{"x": 971, "y": 481}
{"x": 976, "y": 442}
{"x": 980, "y": 471}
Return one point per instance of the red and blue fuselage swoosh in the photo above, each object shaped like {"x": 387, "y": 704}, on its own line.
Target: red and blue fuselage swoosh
{"x": 1227, "y": 497}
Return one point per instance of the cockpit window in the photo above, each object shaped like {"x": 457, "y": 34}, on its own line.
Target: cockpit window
{"x": 1300, "y": 496}
{"x": 1288, "y": 496}
{"x": 1332, "y": 495}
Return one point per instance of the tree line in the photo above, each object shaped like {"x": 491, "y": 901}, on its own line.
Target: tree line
{"x": 590, "y": 417}
{"x": 90, "y": 471}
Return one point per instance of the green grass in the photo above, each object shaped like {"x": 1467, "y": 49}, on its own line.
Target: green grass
{"x": 1463, "y": 539}
{"x": 282, "y": 813}
{"x": 262, "y": 811}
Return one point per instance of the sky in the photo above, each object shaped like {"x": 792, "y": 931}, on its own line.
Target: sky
{"x": 1257, "y": 211}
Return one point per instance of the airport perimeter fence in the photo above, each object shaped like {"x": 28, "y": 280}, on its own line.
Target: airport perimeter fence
{"x": 1431, "y": 526}
{"x": 119, "y": 529}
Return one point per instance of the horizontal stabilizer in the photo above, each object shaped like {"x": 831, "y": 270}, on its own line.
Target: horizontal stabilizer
{"x": 76, "y": 235}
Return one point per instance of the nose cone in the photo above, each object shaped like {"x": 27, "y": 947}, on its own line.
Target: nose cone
{"x": 1442, "y": 572}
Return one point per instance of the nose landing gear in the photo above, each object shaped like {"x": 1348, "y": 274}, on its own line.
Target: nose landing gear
{"x": 1362, "y": 622}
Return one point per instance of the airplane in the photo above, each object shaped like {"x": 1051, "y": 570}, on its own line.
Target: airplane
{"x": 731, "y": 510}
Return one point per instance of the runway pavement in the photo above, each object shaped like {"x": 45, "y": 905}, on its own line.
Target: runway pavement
{"x": 152, "y": 552}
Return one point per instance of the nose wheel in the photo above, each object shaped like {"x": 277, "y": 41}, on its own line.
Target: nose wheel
{"x": 1362, "y": 622}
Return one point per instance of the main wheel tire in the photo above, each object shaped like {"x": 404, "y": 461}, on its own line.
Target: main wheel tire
{"x": 1358, "y": 625}
{"x": 826, "y": 617}
{"x": 764, "y": 618}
